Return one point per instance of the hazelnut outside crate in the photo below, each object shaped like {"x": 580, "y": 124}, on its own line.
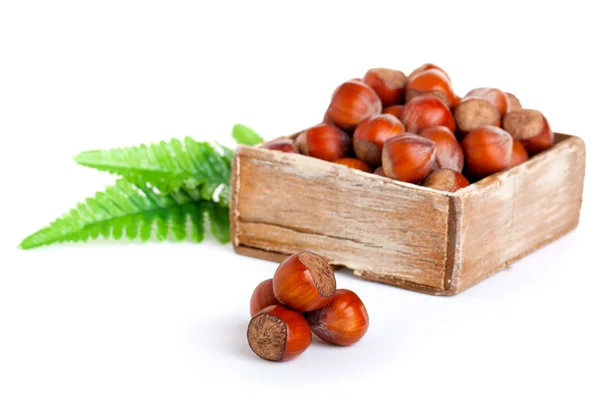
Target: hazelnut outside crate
{"x": 399, "y": 233}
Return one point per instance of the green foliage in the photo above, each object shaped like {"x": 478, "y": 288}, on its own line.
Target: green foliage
{"x": 167, "y": 166}
{"x": 244, "y": 135}
{"x": 136, "y": 212}
{"x": 167, "y": 189}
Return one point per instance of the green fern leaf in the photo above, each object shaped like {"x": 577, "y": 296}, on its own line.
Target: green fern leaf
{"x": 167, "y": 166}
{"x": 244, "y": 135}
{"x": 227, "y": 153}
{"x": 136, "y": 212}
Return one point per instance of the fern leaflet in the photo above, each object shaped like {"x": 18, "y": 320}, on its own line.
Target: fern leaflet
{"x": 136, "y": 212}
{"x": 167, "y": 166}
{"x": 245, "y": 135}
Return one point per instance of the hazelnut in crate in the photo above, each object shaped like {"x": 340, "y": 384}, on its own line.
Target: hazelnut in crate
{"x": 407, "y": 183}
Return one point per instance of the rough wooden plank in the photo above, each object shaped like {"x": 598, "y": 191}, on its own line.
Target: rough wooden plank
{"x": 262, "y": 254}
{"x": 268, "y": 255}
{"x": 337, "y": 251}
{"x": 509, "y": 215}
{"x": 390, "y": 280}
{"x": 285, "y": 203}
{"x": 454, "y": 239}
{"x": 234, "y": 214}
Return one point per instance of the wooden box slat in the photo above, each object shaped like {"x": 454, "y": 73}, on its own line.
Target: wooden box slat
{"x": 511, "y": 214}
{"x": 399, "y": 233}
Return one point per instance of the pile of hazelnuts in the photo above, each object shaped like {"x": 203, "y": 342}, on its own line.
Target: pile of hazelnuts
{"x": 300, "y": 300}
{"x": 416, "y": 129}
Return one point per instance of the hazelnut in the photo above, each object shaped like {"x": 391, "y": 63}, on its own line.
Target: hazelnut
{"x": 408, "y": 157}
{"x": 388, "y": 84}
{"x": 448, "y": 152}
{"x": 353, "y": 102}
{"x": 488, "y": 150}
{"x": 495, "y": 96}
{"x": 344, "y": 321}
{"x": 446, "y": 180}
{"x": 432, "y": 82}
{"x": 396, "y": 110}
{"x": 278, "y": 334}
{"x": 531, "y": 128}
{"x": 354, "y": 164}
{"x": 304, "y": 282}
{"x": 370, "y": 135}
{"x": 474, "y": 112}
{"x": 324, "y": 141}
{"x": 283, "y": 145}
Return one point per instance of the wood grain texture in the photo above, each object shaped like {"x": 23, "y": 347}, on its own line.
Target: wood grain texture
{"x": 402, "y": 234}
{"x": 286, "y": 203}
{"x": 509, "y": 215}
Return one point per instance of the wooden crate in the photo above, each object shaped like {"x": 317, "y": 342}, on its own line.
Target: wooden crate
{"x": 399, "y": 233}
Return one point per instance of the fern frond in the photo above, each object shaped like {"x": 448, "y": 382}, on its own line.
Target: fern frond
{"x": 136, "y": 212}
{"x": 168, "y": 166}
{"x": 227, "y": 153}
{"x": 245, "y": 135}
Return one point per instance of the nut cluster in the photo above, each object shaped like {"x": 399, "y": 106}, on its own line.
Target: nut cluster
{"x": 302, "y": 299}
{"x": 411, "y": 128}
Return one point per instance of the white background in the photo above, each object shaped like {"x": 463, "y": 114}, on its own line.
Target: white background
{"x": 113, "y": 320}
